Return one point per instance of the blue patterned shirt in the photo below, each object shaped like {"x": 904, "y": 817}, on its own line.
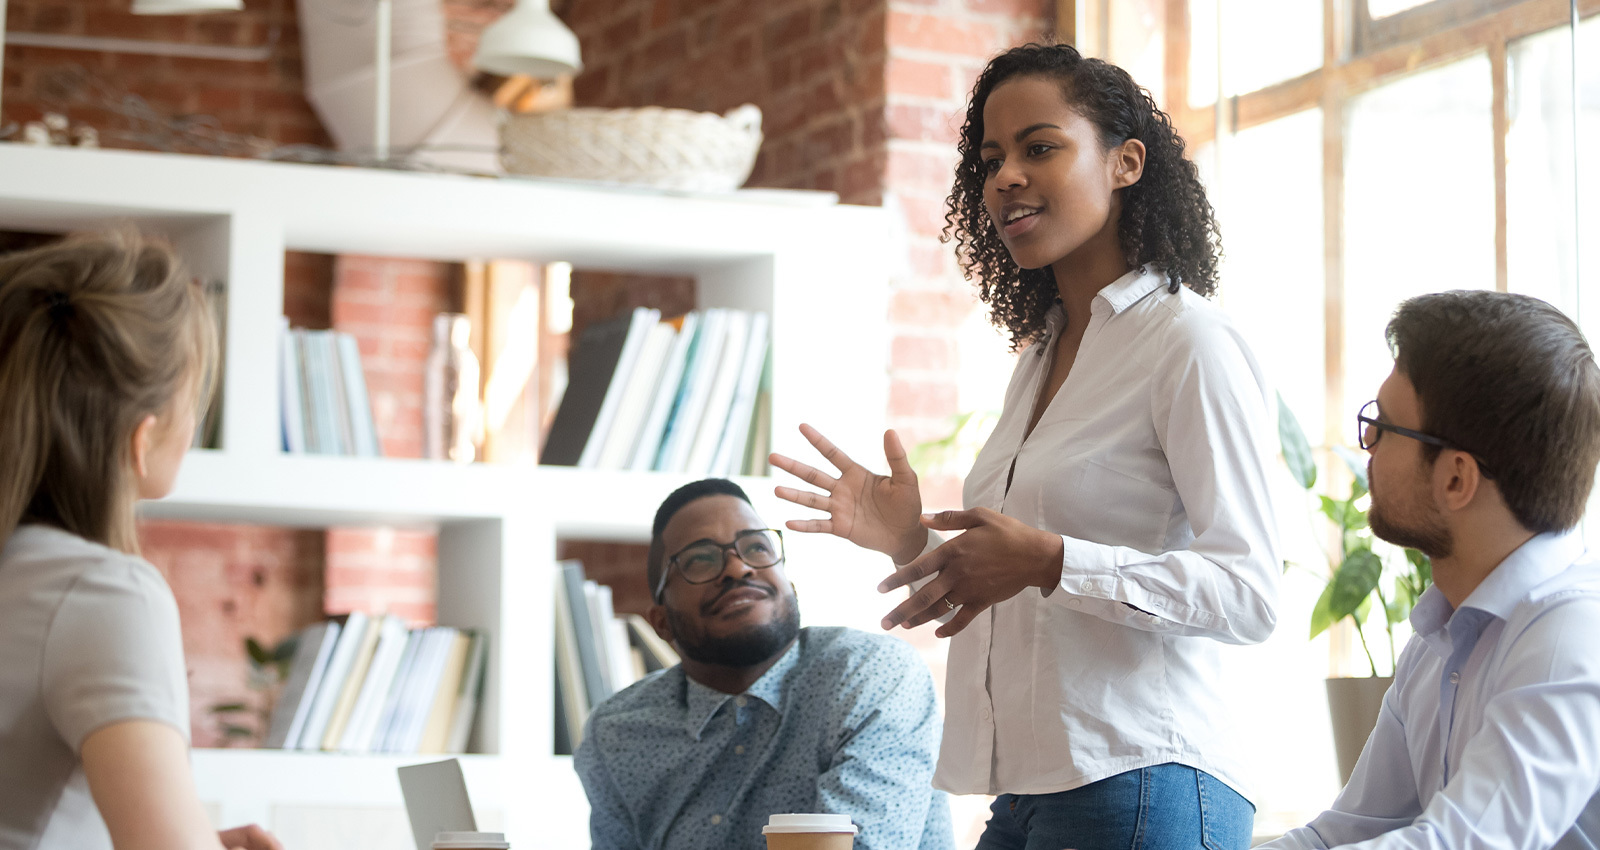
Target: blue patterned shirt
{"x": 843, "y": 723}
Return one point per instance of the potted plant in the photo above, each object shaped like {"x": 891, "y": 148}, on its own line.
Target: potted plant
{"x": 1363, "y": 581}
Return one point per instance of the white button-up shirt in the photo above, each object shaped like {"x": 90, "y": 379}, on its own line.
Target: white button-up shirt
{"x": 1490, "y": 735}
{"x": 1151, "y": 463}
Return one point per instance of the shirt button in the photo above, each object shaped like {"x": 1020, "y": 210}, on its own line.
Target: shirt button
{"x": 739, "y": 750}
{"x": 1088, "y": 586}
{"x": 1455, "y": 677}
{"x": 741, "y": 702}
{"x": 716, "y": 819}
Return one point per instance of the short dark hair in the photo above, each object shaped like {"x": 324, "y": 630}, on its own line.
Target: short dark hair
{"x": 655, "y": 561}
{"x": 1510, "y": 379}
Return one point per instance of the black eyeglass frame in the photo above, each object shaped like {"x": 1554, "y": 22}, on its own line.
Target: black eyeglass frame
{"x": 1363, "y": 421}
{"x": 723, "y": 550}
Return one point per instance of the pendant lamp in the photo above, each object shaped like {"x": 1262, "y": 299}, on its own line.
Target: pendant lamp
{"x": 185, "y": 7}
{"x": 529, "y": 40}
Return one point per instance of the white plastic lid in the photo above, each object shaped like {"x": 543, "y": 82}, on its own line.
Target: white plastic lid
{"x": 808, "y": 823}
{"x": 470, "y": 841}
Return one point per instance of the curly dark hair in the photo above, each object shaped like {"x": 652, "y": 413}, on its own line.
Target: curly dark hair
{"x": 1166, "y": 220}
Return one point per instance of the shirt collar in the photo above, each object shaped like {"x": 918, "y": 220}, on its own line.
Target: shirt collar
{"x": 703, "y": 702}
{"x": 1527, "y": 567}
{"x": 1118, "y": 295}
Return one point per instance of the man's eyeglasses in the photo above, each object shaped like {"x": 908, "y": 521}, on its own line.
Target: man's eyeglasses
{"x": 1369, "y": 429}
{"x": 701, "y": 561}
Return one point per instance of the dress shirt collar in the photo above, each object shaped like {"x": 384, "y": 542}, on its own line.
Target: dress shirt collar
{"x": 1528, "y": 566}
{"x": 1116, "y": 296}
{"x": 703, "y": 702}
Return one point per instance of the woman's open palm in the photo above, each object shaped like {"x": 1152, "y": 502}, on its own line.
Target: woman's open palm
{"x": 878, "y": 512}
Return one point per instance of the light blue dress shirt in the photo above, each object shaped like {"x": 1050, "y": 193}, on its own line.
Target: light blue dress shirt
{"x": 845, "y": 723}
{"x": 1490, "y": 735}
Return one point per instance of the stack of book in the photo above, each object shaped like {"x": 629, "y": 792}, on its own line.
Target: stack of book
{"x": 371, "y": 685}
{"x": 326, "y": 410}
{"x": 688, "y": 395}
{"x": 597, "y": 652}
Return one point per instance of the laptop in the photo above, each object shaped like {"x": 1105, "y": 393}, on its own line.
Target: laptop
{"x": 436, "y": 800}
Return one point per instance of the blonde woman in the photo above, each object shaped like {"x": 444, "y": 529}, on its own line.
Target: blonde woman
{"x": 104, "y": 348}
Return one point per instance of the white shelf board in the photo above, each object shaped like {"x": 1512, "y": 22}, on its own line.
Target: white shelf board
{"x": 320, "y": 491}
{"x": 435, "y": 216}
{"x": 601, "y": 504}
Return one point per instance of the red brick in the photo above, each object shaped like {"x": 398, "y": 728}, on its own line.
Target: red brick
{"x": 923, "y": 123}
{"x": 940, "y": 34}
{"x": 928, "y": 310}
{"x": 921, "y": 170}
{"x": 786, "y": 32}
{"x": 913, "y": 78}
{"x": 921, "y": 398}
{"x": 923, "y": 353}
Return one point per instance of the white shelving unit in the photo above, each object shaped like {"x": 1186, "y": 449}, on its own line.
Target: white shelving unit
{"x": 819, "y": 268}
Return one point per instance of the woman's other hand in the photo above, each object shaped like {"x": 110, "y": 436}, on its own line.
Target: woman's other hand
{"x": 249, "y": 837}
{"x": 993, "y": 559}
{"x": 873, "y": 511}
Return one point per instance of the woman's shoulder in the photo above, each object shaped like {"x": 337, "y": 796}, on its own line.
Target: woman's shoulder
{"x": 52, "y": 561}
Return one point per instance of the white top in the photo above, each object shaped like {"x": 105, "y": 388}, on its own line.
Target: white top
{"x": 1151, "y": 463}
{"x": 88, "y": 637}
{"x": 1490, "y": 735}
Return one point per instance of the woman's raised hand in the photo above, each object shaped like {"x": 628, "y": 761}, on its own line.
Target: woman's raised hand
{"x": 878, "y": 512}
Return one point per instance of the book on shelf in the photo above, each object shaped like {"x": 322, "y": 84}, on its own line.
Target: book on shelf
{"x": 322, "y": 388}
{"x": 418, "y": 691}
{"x": 597, "y": 652}
{"x": 313, "y": 647}
{"x": 675, "y": 396}
{"x": 208, "y": 431}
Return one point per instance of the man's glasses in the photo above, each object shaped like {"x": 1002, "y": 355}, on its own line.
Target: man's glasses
{"x": 1369, "y": 429}
{"x": 701, "y": 561}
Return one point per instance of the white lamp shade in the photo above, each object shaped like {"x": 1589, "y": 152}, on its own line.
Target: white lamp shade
{"x": 530, "y": 40}
{"x": 185, "y": 7}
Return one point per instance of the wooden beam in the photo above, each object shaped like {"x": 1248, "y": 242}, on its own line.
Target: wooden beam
{"x": 1502, "y": 126}
{"x": 1067, "y": 21}
{"x": 1176, "y": 57}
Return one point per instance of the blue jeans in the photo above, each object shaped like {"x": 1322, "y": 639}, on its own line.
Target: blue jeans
{"x": 1165, "y": 807}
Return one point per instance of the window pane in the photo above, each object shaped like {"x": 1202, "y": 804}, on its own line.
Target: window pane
{"x": 1545, "y": 251}
{"x": 1263, "y": 42}
{"x": 1268, "y": 197}
{"x": 1138, "y": 42}
{"x": 1419, "y": 205}
{"x": 1384, "y": 8}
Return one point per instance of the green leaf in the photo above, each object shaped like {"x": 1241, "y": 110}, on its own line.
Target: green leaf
{"x": 1353, "y": 583}
{"x": 1296, "y": 451}
{"x": 1358, "y": 470}
{"x": 1354, "y": 517}
{"x": 1362, "y": 612}
{"x": 284, "y": 651}
{"x": 228, "y": 707}
{"x": 1333, "y": 509}
{"x": 231, "y": 731}
{"x": 1321, "y": 617}
{"x": 257, "y": 652}
{"x": 1421, "y": 569}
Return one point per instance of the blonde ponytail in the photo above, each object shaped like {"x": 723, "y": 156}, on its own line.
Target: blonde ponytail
{"x": 96, "y": 333}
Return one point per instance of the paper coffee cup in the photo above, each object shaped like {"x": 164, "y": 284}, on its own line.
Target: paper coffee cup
{"x": 809, "y": 832}
{"x": 470, "y": 841}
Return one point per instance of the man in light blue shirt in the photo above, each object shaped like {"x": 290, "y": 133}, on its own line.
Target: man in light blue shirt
{"x": 761, "y": 717}
{"x": 1483, "y": 444}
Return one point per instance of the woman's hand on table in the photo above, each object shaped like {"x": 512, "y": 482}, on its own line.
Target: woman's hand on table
{"x": 993, "y": 559}
{"x": 877, "y": 512}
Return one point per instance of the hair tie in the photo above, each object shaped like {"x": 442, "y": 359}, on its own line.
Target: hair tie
{"x": 60, "y": 305}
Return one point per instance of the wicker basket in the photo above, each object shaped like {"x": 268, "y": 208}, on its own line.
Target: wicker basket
{"x": 652, "y": 146}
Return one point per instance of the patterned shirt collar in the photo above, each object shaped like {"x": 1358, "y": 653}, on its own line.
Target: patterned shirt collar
{"x": 702, "y": 703}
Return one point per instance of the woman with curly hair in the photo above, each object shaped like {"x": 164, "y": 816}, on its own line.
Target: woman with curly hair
{"x": 1118, "y": 528}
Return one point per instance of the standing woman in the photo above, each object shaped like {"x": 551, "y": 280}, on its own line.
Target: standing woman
{"x": 1117, "y": 528}
{"x": 105, "y": 345}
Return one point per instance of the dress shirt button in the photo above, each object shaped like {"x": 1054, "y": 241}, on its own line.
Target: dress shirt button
{"x": 1455, "y": 677}
{"x": 741, "y": 702}
{"x": 1087, "y": 585}
{"x": 739, "y": 750}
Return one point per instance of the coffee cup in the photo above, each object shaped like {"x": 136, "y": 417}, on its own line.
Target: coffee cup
{"x": 470, "y": 841}
{"x": 809, "y": 832}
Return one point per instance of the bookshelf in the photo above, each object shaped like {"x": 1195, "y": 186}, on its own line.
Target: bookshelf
{"x": 818, "y": 268}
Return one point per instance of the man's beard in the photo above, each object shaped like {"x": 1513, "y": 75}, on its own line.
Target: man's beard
{"x": 745, "y": 648}
{"x": 1427, "y": 535}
